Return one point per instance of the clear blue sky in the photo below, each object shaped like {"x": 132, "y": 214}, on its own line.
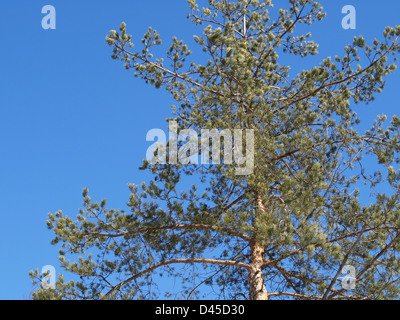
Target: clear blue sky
{"x": 71, "y": 117}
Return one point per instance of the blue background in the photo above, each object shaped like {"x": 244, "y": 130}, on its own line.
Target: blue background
{"x": 71, "y": 117}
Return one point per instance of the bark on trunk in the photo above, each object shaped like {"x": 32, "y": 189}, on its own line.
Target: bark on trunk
{"x": 257, "y": 287}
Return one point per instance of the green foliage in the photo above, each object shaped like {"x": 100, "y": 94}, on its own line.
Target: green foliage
{"x": 301, "y": 205}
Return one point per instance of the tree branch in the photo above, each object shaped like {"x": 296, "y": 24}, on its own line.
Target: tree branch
{"x": 173, "y": 227}
{"x": 167, "y": 262}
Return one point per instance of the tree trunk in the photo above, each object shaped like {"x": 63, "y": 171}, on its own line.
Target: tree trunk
{"x": 257, "y": 287}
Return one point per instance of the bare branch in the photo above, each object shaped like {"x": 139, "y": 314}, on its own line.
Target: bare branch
{"x": 168, "y": 262}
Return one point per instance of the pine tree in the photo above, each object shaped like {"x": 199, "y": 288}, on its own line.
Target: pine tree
{"x": 295, "y": 225}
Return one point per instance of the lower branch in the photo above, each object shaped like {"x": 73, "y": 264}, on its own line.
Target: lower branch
{"x": 167, "y": 262}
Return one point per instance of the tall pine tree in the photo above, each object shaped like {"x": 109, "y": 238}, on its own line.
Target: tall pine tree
{"x": 293, "y": 226}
